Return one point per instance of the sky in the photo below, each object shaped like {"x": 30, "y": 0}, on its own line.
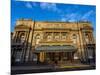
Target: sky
{"x": 43, "y": 11}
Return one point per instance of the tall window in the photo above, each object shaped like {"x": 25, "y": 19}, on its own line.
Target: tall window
{"x": 18, "y": 56}
{"x": 37, "y": 38}
{"x": 74, "y": 37}
{"x": 48, "y": 36}
{"x": 64, "y": 36}
{"x": 57, "y": 36}
{"x": 86, "y": 38}
{"x": 22, "y": 37}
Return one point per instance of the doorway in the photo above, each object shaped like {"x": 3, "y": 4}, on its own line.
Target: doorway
{"x": 59, "y": 57}
{"x": 53, "y": 57}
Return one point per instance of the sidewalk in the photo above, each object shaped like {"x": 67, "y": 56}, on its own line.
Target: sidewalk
{"x": 49, "y": 68}
{"x": 73, "y": 65}
{"x": 31, "y": 67}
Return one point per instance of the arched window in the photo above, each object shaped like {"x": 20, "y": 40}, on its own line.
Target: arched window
{"x": 74, "y": 38}
{"x": 57, "y": 36}
{"x": 37, "y": 38}
{"x": 64, "y": 36}
{"x": 22, "y": 37}
{"x": 86, "y": 37}
{"x": 49, "y": 36}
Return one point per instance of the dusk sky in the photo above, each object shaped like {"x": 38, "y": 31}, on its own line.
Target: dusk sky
{"x": 40, "y": 11}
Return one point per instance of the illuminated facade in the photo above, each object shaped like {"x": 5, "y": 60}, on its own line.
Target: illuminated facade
{"x": 52, "y": 42}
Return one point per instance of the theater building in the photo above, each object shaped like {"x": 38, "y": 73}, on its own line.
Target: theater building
{"x": 52, "y": 42}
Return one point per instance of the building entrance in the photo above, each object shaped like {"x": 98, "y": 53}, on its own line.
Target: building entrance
{"x": 59, "y": 57}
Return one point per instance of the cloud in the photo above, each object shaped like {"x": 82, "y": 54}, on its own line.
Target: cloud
{"x": 70, "y": 17}
{"x": 76, "y": 16}
{"x": 50, "y": 7}
{"x": 86, "y": 15}
{"x": 72, "y": 20}
{"x": 28, "y": 5}
{"x": 63, "y": 19}
{"x": 44, "y": 6}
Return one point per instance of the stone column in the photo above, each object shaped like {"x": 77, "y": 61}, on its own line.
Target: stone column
{"x": 15, "y": 37}
{"x": 29, "y": 46}
{"x": 41, "y": 56}
{"x": 24, "y": 46}
{"x": 92, "y": 38}
{"x": 81, "y": 48}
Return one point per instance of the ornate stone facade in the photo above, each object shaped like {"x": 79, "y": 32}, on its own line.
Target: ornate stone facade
{"x": 52, "y": 41}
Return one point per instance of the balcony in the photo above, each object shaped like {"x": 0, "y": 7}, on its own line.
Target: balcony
{"x": 52, "y": 42}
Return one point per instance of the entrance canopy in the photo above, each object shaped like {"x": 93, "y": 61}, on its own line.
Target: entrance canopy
{"x": 55, "y": 48}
